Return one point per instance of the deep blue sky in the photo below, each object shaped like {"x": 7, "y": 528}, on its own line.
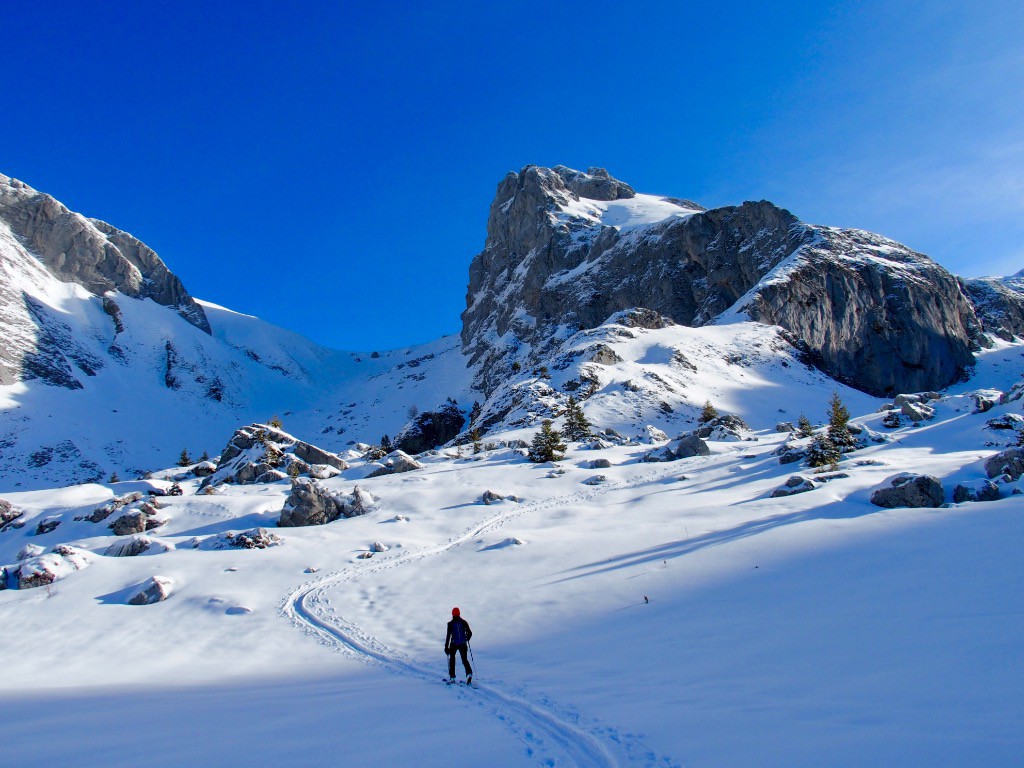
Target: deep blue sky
{"x": 329, "y": 167}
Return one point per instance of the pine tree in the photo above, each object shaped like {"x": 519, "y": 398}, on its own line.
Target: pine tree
{"x": 822, "y": 452}
{"x": 477, "y": 439}
{"x": 577, "y": 427}
{"x": 547, "y": 444}
{"x": 386, "y": 445}
{"x": 184, "y": 460}
{"x": 892, "y": 420}
{"x": 293, "y": 470}
{"x": 838, "y": 421}
{"x": 708, "y": 413}
{"x": 275, "y": 422}
{"x": 475, "y": 411}
{"x": 114, "y": 478}
{"x": 1020, "y": 437}
{"x": 804, "y": 428}
{"x": 205, "y": 456}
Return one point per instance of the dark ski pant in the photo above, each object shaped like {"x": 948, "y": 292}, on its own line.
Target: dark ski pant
{"x": 451, "y": 660}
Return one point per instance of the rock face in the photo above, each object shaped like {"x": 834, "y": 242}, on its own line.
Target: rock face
{"x": 91, "y": 253}
{"x": 311, "y": 504}
{"x": 864, "y": 309}
{"x": 910, "y": 490}
{"x": 431, "y": 429}
{"x": 999, "y": 305}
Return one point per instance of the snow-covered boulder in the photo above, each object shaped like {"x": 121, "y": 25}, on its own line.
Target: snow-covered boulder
{"x": 784, "y": 426}
{"x": 727, "y": 427}
{"x": 104, "y": 511}
{"x": 155, "y": 589}
{"x": 394, "y": 463}
{"x": 138, "y": 521}
{"x": 600, "y": 464}
{"x": 917, "y": 411}
{"x": 8, "y": 514}
{"x": 133, "y": 546}
{"x": 596, "y": 480}
{"x": 203, "y": 469}
{"x": 975, "y": 490}
{"x": 379, "y": 546}
{"x": 490, "y": 497}
{"x": 795, "y": 484}
{"x": 790, "y": 454}
{"x": 910, "y": 490}
{"x": 323, "y": 471}
{"x": 29, "y": 551}
{"x": 652, "y": 434}
{"x": 47, "y": 568}
{"x": 1016, "y": 393}
{"x": 254, "y": 538}
{"x": 986, "y": 399}
{"x": 1009, "y": 462}
{"x": 597, "y": 444}
{"x": 312, "y": 504}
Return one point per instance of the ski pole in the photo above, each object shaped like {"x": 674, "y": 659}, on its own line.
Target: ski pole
{"x": 471, "y": 658}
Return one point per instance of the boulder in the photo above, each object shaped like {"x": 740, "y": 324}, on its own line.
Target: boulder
{"x": 259, "y": 453}
{"x": 155, "y": 589}
{"x": 323, "y": 471}
{"x": 135, "y": 522}
{"x": 47, "y": 525}
{"x": 795, "y": 484}
{"x": 45, "y": 569}
{"x": 975, "y": 490}
{"x": 130, "y": 547}
{"x": 600, "y": 464}
{"x": 785, "y": 426}
{"x": 790, "y": 454}
{"x": 204, "y": 469}
{"x": 725, "y": 427}
{"x": 688, "y": 446}
{"x": 254, "y": 538}
{"x": 910, "y": 490}
{"x": 986, "y": 399}
{"x": 652, "y": 434}
{"x": 917, "y": 411}
{"x": 596, "y": 480}
{"x": 8, "y": 514}
{"x": 1009, "y": 462}
{"x": 490, "y": 497}
{"x": 1006, "y": 421}
{"x": 311, "y": 504}
{"x": 396, "y": 462}
{"x": 378, "y": 546}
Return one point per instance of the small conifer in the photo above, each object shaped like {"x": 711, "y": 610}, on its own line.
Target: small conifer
{"x": 114, "y": 478}
{"x": 547, "y": 444}
{"x": 708, "y": 413}
{"x": 838, "y": 425}
{"x": 892, "y": 420}
{"x": 804, "y": 428}
{"x": 577, "y": 427}
{"x": 184, "y": 459}
{"x": 822, "y": 452}
{"x": 275, "y": 422}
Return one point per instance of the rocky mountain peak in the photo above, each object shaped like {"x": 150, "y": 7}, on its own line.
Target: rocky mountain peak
{"x": 91, "y": 253}
{"x": 565, "y": 250}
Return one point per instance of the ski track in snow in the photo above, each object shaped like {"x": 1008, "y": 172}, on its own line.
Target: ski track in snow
{"x": 553, "y": 735}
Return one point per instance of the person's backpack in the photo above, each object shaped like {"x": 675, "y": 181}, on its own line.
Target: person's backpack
{"x": 458, "y": 632}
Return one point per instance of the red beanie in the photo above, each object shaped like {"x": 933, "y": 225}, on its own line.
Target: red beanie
{"x": 455, "y": 611}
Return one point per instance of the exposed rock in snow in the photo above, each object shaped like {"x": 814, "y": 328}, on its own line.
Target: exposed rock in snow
{"x": 29, "y": 551}
{"x": 47, "y": 524}
{"x": 155, "y": 589}
{"x": 259, "y": 453}
{"x": 431, "y": 429}
{"x": 139, "y": 521}
{"x": 600, "y": 464}
{"x": 596, "y": 480}
{"x": 795, "y": 484}
{"x": 312, "y": 504}
{"x": 378, "y": 546}
{"x": 725, "y": 427}
{"x": 1009, "y": 463}
{"x": 682, "y": 448}
{"x": 133, "y": 546}
{"x": 653, "y": 435}
{"x": 106, "y": 510}
{"x": 784, "y": 426}
{"x": 254, "y": 538}
{"x": 789, "y": 453}
{"x": 917, "y": 411}
{"x": 1007, "y": 421}
{"x": 490, "y": 497}
{"x": 8, "y": 514}
{"x": 203, "y": 469}
{"x": 910, "y": 490}
{"x": 986, "y": 399}
{"x": 975, "y": 490}
{"x": 396, "y": 462}
{"x": 45, "y": 569}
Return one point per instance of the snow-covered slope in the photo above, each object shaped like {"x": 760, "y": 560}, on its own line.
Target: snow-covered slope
{"x": 670, "y": 614}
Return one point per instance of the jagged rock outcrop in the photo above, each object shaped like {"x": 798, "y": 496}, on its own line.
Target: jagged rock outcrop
{"x": 863, "y": 308}
{"x": 975, "y": 490}
{"x": 395, "y": 463}
{"x": 260, "y": 453}
{"x": 1008, "y": 463}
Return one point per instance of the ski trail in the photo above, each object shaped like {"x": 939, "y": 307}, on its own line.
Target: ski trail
{"x": 552, "y": 735}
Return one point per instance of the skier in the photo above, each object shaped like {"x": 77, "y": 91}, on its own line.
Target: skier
{"x": 456, "y": 641}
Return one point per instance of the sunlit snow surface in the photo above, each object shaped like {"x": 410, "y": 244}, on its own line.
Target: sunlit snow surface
{"x": 810, "y": 630}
